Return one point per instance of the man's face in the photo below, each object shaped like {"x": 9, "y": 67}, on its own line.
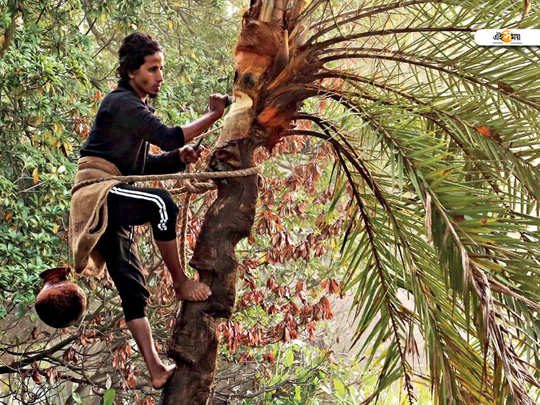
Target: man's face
{"x": 148, "y": 78}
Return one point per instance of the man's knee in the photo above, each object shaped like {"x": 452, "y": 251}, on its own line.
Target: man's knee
{"x": 170, "y": 205}
{"x": 165, "y": 228}
{"x": 133, "y": 307}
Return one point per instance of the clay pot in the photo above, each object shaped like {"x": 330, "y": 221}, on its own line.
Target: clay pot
{"x": 60, "y": 302}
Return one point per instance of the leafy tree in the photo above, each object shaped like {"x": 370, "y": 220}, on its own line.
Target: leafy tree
{"x": 44, "y": 59}
{"x": 57, "y": 61}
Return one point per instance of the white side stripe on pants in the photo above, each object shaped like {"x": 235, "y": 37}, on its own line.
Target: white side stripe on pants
{"x": 149, "y": 197}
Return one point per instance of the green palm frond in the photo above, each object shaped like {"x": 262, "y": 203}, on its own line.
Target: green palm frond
{"x": 441, "y": 151}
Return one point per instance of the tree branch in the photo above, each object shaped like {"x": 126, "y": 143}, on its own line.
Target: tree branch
{"x": 14, "y": 367}
{"x": 10, "y": 31}
{"x": 434, "y": 67}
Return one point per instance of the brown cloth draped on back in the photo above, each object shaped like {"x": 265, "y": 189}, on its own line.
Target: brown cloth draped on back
{"x": 88, "y": 213}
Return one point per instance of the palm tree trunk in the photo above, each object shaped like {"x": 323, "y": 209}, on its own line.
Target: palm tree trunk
{"x": 194, "y": 342}
{"x": 261, "y": 53}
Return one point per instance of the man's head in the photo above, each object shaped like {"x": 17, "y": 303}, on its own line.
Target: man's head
{"x": 141, "y": 63}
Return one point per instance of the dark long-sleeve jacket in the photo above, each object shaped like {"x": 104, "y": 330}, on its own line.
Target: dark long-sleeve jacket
{"x": 123, "y": 130}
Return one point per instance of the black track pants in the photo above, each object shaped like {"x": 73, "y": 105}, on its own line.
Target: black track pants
{"x": 128, "y": 205}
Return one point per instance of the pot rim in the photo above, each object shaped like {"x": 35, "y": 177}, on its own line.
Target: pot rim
{"x": 61, "y": 271}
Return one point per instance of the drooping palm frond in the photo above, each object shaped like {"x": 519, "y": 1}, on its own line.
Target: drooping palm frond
{"x": 441, "y": 150}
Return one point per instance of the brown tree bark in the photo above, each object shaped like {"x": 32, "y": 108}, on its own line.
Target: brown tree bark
{"x": 194, "y": 342}
{"x": 8, "y": 35}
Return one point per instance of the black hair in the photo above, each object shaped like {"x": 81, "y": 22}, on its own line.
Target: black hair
{"x": 132, "y": 52}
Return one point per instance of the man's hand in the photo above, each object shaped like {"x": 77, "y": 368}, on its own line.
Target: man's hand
{"x": 188, "y": 154}
{"x": 217, "y": 104}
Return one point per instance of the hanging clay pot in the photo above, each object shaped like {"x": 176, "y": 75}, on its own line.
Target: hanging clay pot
{"x": 60, "y": 302}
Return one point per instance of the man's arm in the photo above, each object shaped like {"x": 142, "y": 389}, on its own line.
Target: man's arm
{"x": 175, "y": 161}
{"x": 215, "y": 111}
{"x": 164, "y": 163}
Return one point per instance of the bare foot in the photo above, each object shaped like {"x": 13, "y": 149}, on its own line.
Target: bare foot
{"x": 160, "y": 377}
{"x": 191, "y": 290}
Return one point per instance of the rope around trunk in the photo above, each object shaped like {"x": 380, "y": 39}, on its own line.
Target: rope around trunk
{"x": 176, "y": 176}
{"x": 192, "y": 187}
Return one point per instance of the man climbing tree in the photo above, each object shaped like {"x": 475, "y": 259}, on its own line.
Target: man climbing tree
{"x": 118, "y": 144}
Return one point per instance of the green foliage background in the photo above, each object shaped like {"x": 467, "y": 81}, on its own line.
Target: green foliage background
{"x": 55, "y": 59}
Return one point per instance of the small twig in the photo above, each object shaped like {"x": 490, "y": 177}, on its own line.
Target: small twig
{"x": 26, "y": 190}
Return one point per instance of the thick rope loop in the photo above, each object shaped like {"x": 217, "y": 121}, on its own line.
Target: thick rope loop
{"x": 176, "y": 176}
{"x": 194, "y": 187}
